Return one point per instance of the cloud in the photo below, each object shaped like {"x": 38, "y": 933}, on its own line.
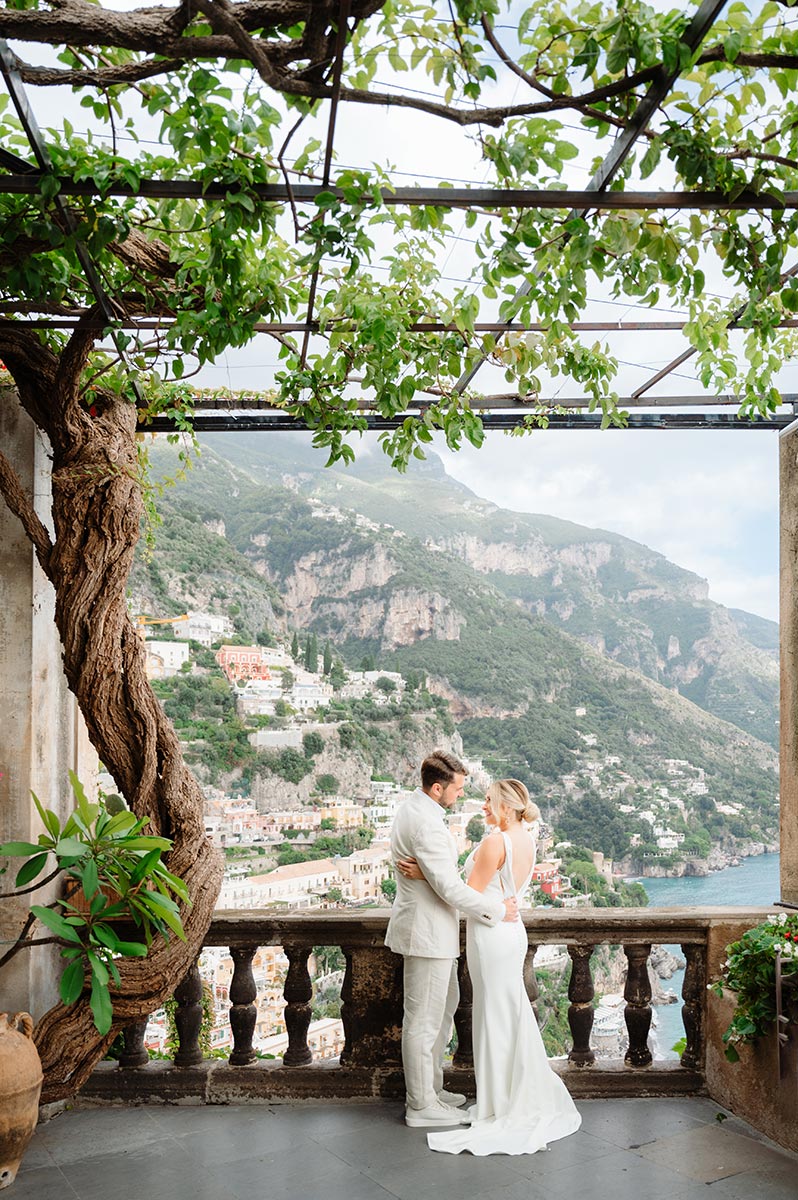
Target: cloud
{"x": 707, "y": 500}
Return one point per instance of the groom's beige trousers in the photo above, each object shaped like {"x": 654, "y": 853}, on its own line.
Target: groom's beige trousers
{"x": 431, "y": 997}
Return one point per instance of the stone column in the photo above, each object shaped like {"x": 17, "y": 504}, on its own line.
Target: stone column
{"x": 788, "y": 600}
{"x": 42, "y": 734}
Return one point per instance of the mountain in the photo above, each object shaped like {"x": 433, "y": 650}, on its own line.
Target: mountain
{"x": 626, "y": 601}
{"x": 383, "y": 566}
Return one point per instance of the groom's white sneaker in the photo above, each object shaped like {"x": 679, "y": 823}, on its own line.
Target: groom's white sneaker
{"x": 453, "y": 1099}
{"x": 436, "y": 1113}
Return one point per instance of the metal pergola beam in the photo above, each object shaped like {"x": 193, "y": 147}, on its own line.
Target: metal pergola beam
{"x": 277, "y": 422}
{"x": 241, "y": 402}
{"x": 145, "y": 323}
{"x": 417, "y": 197}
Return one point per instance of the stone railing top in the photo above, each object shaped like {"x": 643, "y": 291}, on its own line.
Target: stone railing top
{"x": 276, "y": 927}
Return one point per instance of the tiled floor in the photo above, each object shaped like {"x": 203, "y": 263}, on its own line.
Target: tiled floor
{"x": 625, "y": 1150}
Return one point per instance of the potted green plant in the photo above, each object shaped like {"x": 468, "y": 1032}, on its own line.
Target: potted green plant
{"x": 114, "y": 881}
{"x": 750, "y": 972}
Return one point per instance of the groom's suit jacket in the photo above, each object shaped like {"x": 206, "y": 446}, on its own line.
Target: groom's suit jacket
{"x": 424, "y": 920}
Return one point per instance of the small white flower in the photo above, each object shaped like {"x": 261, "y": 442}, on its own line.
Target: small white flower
{"x": 777, "y": 946}
{"x": 773, "y": 918}
{"x": 782, "y": 918}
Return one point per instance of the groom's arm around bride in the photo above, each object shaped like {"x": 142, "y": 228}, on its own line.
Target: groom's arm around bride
{"x": 424, "y": 927}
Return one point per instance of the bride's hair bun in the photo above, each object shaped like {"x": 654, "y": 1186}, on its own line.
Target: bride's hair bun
{"x": 513, "y": 795}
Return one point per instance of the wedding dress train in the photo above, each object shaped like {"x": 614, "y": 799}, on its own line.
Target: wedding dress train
{"x": 521, "y": 1103}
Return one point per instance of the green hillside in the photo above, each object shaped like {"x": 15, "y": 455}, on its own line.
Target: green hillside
{"x": 529, "y": 697}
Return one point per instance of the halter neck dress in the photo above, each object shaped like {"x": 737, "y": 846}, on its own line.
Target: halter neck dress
{"x": 521, "y": 1103}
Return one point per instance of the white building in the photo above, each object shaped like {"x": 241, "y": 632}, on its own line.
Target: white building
{"x": 300, "y": 885}
{"x": 258, "y": 697}
{"x": 205, "y": 628}
{"x": 310, "y": 694}
{"x": 165, "y": 658}
{"x": 362, "y": 873}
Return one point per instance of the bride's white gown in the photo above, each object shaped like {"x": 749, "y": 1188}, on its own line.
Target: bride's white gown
{"x": 521, "y": 1103}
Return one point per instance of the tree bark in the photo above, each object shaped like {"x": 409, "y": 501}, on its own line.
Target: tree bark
{"x": 97, "y": 508}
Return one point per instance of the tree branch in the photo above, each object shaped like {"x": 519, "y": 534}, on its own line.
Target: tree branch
{"x": 9, "y": 954}
{"x": 34, "y": 887}
{"x": 21, "y": 506}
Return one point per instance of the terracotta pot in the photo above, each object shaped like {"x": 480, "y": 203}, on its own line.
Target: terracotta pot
{"x": 20, "y": 1086}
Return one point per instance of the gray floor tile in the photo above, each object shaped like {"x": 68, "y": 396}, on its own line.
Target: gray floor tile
{"x": 351, "y": 1185}
{"x": 41, "y": 1183}
{"x": 445, "y": 1176}
{"x": 298, "y": 1171}
{"x": 776, "y": 1184}
{"x": 230, "y": 1140}
{"x": 628, "y": 1123}
{"x": 623, "y": 1175}
{"x": 162, "y": 1172}
{"x": 80, "y": 1134}
{"x": 579, "y": 1149}
{"x": 711, "y": 1153}
{"x": 385, "y": 1146}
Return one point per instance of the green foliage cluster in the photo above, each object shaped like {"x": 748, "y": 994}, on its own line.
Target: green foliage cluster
{"x": 595, "y": 821}
{"x": 577, "y": 863}
{"x": 552, "y": 1007}
{"x": 113, "y": 870}
{"x": 749, "y": 971}
{"x": 326, "y": 847}
{"x": 203, "y": 710}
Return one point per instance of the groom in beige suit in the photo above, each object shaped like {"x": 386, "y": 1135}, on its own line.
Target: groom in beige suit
{"x": 425, "y": 929}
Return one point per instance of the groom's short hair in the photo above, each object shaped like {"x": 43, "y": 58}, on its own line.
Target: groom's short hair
{"x": 440, "y": 767}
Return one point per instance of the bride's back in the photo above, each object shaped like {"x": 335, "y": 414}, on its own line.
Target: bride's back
{"x": 524, "y": 849}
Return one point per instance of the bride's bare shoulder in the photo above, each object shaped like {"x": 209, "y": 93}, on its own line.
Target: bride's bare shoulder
{"x": 491, "y": 849}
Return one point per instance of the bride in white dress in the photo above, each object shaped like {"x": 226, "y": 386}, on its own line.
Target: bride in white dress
{"x": 521, "y": 1103}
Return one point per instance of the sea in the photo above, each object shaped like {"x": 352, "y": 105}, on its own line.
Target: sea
{"x": 754, "y": 882}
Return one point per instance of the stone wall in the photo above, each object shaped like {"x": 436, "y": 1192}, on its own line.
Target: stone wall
{"x": 758, "y": 1088}
{"x": 42, "y": 734}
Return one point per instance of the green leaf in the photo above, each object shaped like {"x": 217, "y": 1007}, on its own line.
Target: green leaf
{"x": 91, "y": 880}
{"x": 54, "y": 922}
{"x": 106, "y": 936}
{"x": 18, "y": 849}
{"x": 98, "y": 967}
{"x": 101, "y": 1007}
{"x": 144, "y": 867}
{"x": 70, "y": 848}
{"x": 71, "y": 984}
{"x": 33, "y": 867}
{"x": 650, "y": 159}
{"x": 132, "y": 949}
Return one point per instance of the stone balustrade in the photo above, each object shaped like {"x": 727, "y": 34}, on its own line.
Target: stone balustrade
{"x": 370, "y": 1063}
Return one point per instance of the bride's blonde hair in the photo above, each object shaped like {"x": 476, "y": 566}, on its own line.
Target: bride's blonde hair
{"x": 511, "y": 793}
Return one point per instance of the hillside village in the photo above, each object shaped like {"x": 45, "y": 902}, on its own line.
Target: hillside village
{"x": 332, "y": 849}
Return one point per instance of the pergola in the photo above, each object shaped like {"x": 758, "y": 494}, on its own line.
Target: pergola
{"x": 101, "y": 660}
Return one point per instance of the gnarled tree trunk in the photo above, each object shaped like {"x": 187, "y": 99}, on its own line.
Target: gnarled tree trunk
{"x": 97, "y": 509}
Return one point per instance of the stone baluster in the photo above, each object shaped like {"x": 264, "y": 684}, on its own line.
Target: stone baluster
{"x": 464, "y": 1055}
{"x": 298, "y": 991}
{"x": 580, "y": 1010}
{"x": 188, "y": 1019}
{"x": 531, "y": 979}
{"x": 694, "y": 990}
{"x": 243, "y": 1012}
{"x": 371, "y": 1007}
{"x": 637, "y": 994}
{"x": 134, "y": 1053}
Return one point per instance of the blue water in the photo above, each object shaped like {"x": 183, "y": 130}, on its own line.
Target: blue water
{"x": 755, "y": 882}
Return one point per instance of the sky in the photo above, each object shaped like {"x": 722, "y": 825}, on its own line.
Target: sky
{"x": 707, "y": 500}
